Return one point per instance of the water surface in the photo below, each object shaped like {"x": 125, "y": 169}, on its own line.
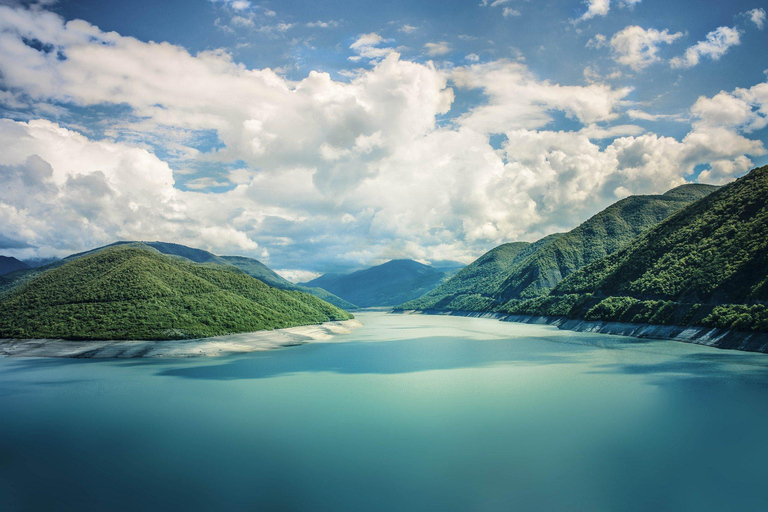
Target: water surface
{"x": 406, "y": 413}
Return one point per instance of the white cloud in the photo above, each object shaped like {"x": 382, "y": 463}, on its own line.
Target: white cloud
{"x": 596, "y": 8}
{"x": 638, "y": 48}
{"x": 598, "y": 41}
{"x": 645, "y": 116}
{"x": 517, "y": 99}
{"x": 758, "y": 17}
{"x": 367, "y": 47}
{"x": 329, "y": 173}
{"x": 237, "y": 5}
{"x": 323, "y": 24}
{"x": 508, "y": 12}
{"x": 437, "y": 49}
{"x": 472, "y": 57}
{"x": 408, "y": 29}
{"x": 714, "y": 46}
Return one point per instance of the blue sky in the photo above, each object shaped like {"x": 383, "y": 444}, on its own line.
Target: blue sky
{"x": 326, "y": 136}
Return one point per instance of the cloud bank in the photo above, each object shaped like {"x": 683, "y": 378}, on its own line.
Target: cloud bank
{"x": 328, "y": 174}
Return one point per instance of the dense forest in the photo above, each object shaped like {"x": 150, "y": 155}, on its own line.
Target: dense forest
{"x": 519, "y": 270}
{"x": 705, "y": 265}
{"x": 134, "y": 292}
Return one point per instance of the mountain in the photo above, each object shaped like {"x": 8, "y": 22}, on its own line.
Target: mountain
{"x": 706, "y": 265}
{"x": 255, "y": 268}
{"x": 132, "y": 291}
{"x": 250, "y": 266}
{"x": 10, "y": 264}
{"x": 521, "y": 272}
{"x": 388, "y": 284}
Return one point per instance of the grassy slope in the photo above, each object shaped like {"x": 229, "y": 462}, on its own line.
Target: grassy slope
{"x": 130, "y": 292}
{"x": 706, "y": 265}
{"x": 512, "y": 272}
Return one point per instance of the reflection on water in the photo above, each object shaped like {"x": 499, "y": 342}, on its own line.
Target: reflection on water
{"x": 406, "y": 413}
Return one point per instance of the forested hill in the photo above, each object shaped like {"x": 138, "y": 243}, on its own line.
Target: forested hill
{"x": 134, "y": 292}
{"x": 706, "y": 266}
{"x": 535, "y": 269}
{"x": 250, "y": 266}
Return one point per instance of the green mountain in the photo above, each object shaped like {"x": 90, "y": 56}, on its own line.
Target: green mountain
{"x": 132, "y": 291}
{"x": 384, "y": 285}
{"x": 706, "y": 265}
{"x": 513, "y": 272}
{"x": 250, "y": 266}
{"x": 9, "y": 264}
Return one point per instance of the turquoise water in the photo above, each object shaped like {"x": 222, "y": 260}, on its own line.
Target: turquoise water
{"x": 406, "y": 413}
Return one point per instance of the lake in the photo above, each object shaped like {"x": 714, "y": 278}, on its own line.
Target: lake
{"x": 408, "y": 412}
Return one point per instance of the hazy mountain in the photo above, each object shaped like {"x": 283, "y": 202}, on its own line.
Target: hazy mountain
{"x": 134, "y": 292}
{"x": 388, "y": 284}
{"x": 10, "y": 264}
{"x": 514, "y": 271}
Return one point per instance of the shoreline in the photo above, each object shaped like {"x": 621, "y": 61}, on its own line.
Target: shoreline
{"x": 709, "y": 336}
{"x": 228, "y": 344}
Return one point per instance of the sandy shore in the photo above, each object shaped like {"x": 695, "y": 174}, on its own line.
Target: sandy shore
{"x": 204, "y": 347}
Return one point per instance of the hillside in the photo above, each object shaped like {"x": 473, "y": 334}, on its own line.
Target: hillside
{"x": 255, "y": 268}
{"x": 134, "y": 292}
{"x": 9, "y": 264}
{"x": 513, "y": 272}
{"x": 388, "y": 284}
{"x": 250, "y": 266}
{"x": 706, "y": 265}
{"x": 473, "y": 284}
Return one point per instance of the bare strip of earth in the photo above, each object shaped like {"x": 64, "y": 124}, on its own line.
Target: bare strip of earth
{"x": 203, "y": 347}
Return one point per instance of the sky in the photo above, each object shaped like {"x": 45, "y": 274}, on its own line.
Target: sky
{"x": 329, "y": 136}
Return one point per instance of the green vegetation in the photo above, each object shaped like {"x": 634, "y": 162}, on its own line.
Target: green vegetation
{"x": 250, "y": 266}
{"x": 266, "y": 275}
{"x": 388, "y": 284}
{"x": 520, "y": 271}
{"x": 714, "y": 251}
{"x": 134, "y": 292}
{"x": 472, "y": 287}
{"x": 707, "y": 265}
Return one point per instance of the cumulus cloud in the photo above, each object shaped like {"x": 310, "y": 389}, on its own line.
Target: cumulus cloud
{"x": 638, "y": 48}
{"x": 518, "y": 99}
{"x": 714, "y": 46}
{"x": 758, "y": 17}
{"x": 326, "y": 174}
{"x": 596, "y": 8}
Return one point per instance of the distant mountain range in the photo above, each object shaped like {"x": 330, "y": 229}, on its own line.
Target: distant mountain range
{"x": 133, "y": 291}
{"x": 9, "y": 264}
{"x": 523, "y": 270}
{"x": 388, "y": 284}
